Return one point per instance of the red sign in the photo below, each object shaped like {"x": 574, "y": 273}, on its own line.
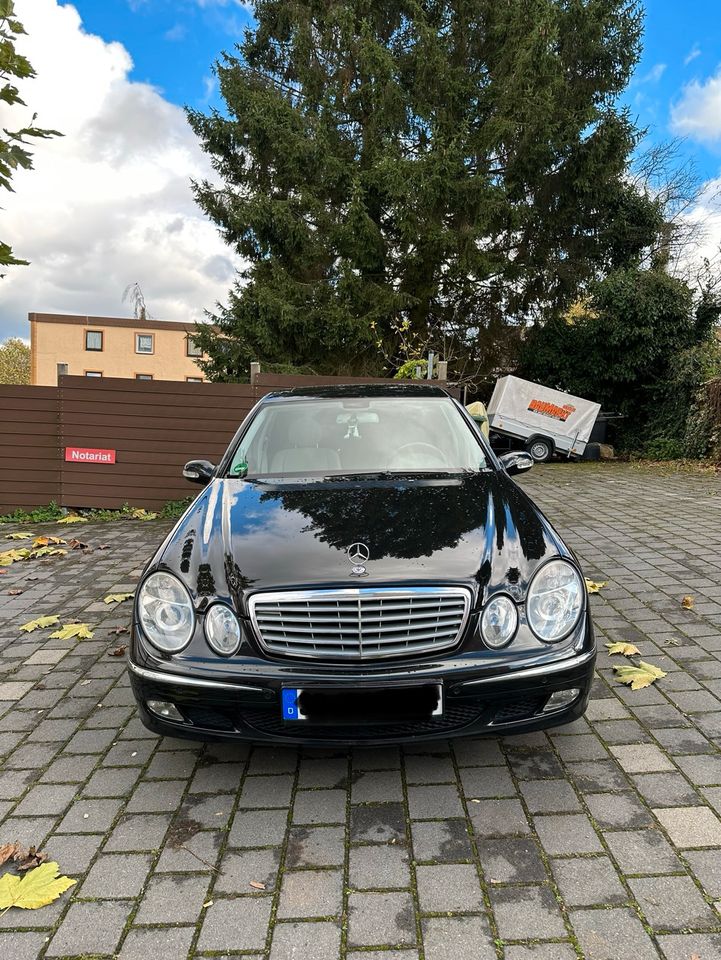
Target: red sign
{"x": 89, "y": 455}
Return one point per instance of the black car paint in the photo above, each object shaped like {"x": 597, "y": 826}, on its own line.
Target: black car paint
{"x": 241, "y": 536}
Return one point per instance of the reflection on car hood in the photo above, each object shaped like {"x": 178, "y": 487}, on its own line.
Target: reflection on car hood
{"x": 241, "y": 536}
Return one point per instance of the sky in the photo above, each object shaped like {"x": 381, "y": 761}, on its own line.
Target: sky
{"x": 110, "y": 204}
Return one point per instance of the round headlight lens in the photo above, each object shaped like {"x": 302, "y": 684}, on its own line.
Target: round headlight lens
{"x": 222, "y": 630}
{"x": 499, "y": 622}
{"x": 166, "y": 612}
{"x": 555, "y": 601}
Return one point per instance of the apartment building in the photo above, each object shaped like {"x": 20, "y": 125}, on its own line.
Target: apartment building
{"x": 111, "y": 347}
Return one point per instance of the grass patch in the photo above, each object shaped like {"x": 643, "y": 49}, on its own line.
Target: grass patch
{"x": 52, "y": 512}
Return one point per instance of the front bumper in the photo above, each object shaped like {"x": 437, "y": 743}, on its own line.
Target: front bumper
{"x": 475, "y": 703}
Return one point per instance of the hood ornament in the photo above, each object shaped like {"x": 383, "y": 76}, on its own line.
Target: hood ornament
{"x": 358, "y": 554}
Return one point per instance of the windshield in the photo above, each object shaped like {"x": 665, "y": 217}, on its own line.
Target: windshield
{"x": 356, "y": 435}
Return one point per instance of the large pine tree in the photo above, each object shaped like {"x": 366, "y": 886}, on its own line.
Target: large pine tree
{"x": 417, "y": 171}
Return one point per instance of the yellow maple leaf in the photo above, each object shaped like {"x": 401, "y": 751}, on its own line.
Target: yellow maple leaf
{"x": 40, "y": 623}
{"x": 17, "y": 536}
{"x": 46, "y": 552}
{"x": 118, "y": 597}
{"x": 639, "y": 676}
{"x": 69, "y": 631}
{"x": 73, "y": 518}
{"x": 687, "y": 603}
{"x": 626, "y": 649}
{"x": 594, "y": 586}
{"x": 44, "y": 541}
{"x": 142, "y": 514}
{"x": 36, "y": 889}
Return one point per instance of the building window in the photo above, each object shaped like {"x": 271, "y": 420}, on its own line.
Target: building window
{"x": 93, "y": 373}
{"x": 193, "y": 379}
{"x": 143, "y": 376}
{"x": 93, "y": 339}
{"x": 192, "y": 349}
{"x": 143, "y": 343}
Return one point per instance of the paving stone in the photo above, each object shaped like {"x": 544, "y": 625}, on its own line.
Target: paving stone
{"x": 292, "y": 941}
{"x": 263, "y": 791}
{"x": 170, "y": 943}
{"x": 212, "y": 812}
{"x": 156, "y": 797}
{"x": 704, "y": 946}
{"x": 615, "y": 934}
{"x": 239, "y": 867}
{"x": 384, "y": 919}
{"x": 317, "y": 772}
{"x": 236, "y": 925}
{"x": 311, "y": 893}
{"x": 691, "y": 826}
{"x": 377, "y": 866}
{"x": 434, "y": 802}
{"x": 22, "y": 945}
{"x": 457, "y": 938}
{"x": 567, "y": 833}
{"x": 74, "y": 852}
{"x": 377, "y": 786}
{"x": 217, "y": 778}
{"x": 441, "y": 840}
{"x": 89, "y": 816}
{"x": 378, "y": 824}
{"x": 173, "y": 899}
{"x": 196, "y": 851}
{"x": 587, "y": 882}
{"x": 116, "y": 876}
{"x": 641, "y": 758}
{"x": 549, "y": 796}
{"x": 526, "y": 913}
{"x": 138, "y": 832}
{"x": 538, "y": 765}
{"x": 511, "y": 860}
{"x": 702, "y": 771}
{"x": 497, "y": 818}
{"x": 665, "y": 790}
{"x": 432, "y": 768}
{"x": 316, "y": 847}
{"x": 706, "y": 867}
{"x": 319, "y": 806}
{"x": 540, "y": 951}
{"x": 485, "y": 782}
{"x": 642, "y": 851}
{"x": 258, "y": 828}
{"x": 672, "y": 903}
{"x": 583, "y": 746}
{"x": 618, "y": 810}
{"x": 89, "y": 928}
{"x": 108, "y": 782}
{"x": 45, "y": 800}
{"x": 449, "y": 888}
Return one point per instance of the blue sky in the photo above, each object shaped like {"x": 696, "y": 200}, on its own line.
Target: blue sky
{"x": 110, "y": 203}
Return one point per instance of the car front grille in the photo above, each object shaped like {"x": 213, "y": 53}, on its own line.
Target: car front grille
{"x": 360, "y": 623}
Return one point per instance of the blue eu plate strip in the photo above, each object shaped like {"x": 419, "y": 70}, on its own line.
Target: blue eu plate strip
{"x": 289, "y": 701}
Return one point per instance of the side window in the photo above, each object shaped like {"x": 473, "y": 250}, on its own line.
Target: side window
{"x": 252, "y": 448}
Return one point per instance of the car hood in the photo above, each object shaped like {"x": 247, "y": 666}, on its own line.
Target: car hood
{"x": 240, "y": 536}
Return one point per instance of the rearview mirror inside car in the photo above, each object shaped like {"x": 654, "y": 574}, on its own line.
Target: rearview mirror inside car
{"x": 516, "y": 462}
{"x": 199, "y": 471}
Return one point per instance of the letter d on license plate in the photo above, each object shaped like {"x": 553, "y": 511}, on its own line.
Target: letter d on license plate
{"x": 289, "y": 704}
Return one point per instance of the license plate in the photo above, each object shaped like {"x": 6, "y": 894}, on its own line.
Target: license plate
{"x": 430, "y": 697}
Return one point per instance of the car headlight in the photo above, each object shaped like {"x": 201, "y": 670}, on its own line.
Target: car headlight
{"x": 166, "y": 612}
{"x": 222, "y": 630}
{"x": 555, "y": 601}
{"x": 499, "y": 622}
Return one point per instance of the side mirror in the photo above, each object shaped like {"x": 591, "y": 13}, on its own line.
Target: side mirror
{"x": 516, "y": 462}
{"x": 199, "y": 471}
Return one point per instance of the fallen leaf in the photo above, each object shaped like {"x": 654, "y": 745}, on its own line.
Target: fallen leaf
{"x": 639, "y": 676}
{"x": 36, "y": 889}
{"x": 14, "y": 593}
{"x": 69, "y": 631}
{"x": 13, "y": 556}
{"x": 116, "y": 631}
{"x": 46, "y": 552}
{"x": 40, "y": 623}
{"x": 7, "y": 851}
{"x": 103, "y": 546}
{"x": 44, "y": 541}
{"x": 76, "y": 544}
{"x": 208, "y": 903}
{"x": 257, "y": 885}
{"x": 118, "y": 597}
{"x": 595, "y": 586}
{"x": 17, "y": 536}
{"x": 142, "y": 514}
{"x": 687, "y": 603}
{"x": 27, "y": 858}
{"x": 119, "y": 651}
{"x": 672, "y": 642}
{"x": 73, "y": 518}
{"x": 626, "y": 649}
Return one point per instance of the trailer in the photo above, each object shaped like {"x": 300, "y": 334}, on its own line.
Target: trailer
{"x": 541, "y": 420}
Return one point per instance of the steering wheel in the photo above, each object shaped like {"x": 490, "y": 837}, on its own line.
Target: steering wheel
{"x": 425, "y": 455}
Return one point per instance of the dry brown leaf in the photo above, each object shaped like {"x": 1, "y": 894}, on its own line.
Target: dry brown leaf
{"x": 7, "y": 851}
{"x": 14, "y": 593}
{"x": 76, "y": 544}
{"x": 31, "y": 858}
{"x": 116, "y": 631}
{"x": 687, "y": 602}
{"x": 45, "y": 541}
{"x": 119, "y": 651}
{"x": 257, "y": 885}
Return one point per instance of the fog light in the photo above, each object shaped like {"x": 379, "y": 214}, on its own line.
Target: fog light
{"x": 561, "y": 699}
{"x": 161, "y": 708}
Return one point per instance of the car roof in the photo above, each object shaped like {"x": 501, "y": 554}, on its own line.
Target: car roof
{"x": 372, "y": 390}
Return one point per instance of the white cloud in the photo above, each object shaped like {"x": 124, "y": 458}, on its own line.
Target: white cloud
{"x": 698, "y": 112}
{"x": 110, "y": 202}
{"x": 654, "y": 74}
{"x": 694, "y": 52}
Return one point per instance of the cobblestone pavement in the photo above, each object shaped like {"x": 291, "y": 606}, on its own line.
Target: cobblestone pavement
{"x": 598, "y": 840}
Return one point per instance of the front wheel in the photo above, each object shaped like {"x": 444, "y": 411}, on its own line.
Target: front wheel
{"x": 540, "y": 449}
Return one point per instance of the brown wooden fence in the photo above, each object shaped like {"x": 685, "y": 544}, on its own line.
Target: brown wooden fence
{"x": 154, "y": 427}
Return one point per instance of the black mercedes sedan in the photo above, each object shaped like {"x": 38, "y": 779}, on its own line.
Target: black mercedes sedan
{"x": 360, "y": 567}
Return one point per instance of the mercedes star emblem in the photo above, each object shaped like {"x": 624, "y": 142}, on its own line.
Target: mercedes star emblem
{"x": 358, "y": 553}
